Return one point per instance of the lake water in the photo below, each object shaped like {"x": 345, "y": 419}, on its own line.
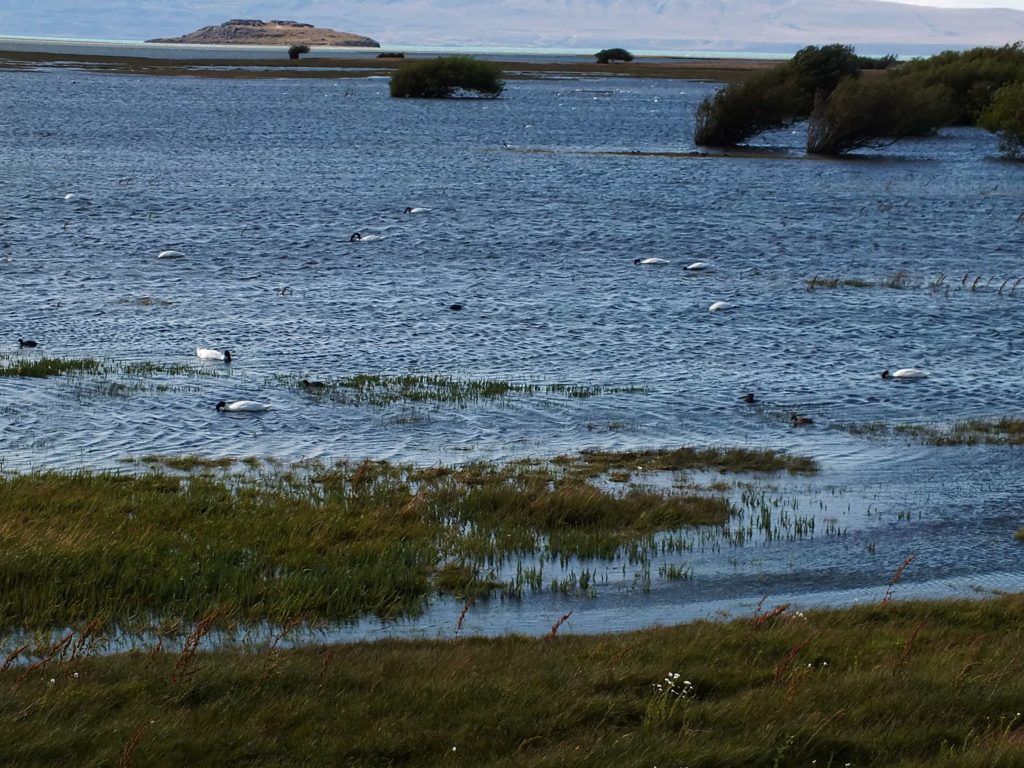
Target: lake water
{"x": 539, "y": 202}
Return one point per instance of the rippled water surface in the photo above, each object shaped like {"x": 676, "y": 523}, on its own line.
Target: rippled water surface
{"x": 538, "y": 205}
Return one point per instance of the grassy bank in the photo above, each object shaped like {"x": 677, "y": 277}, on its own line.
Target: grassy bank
{"x": 318, "y": 543}
{"x": 891, "y": 685}
{"x": 717, "y": 70}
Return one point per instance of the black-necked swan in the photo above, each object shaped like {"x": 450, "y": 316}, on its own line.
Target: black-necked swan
{"x": 697, "y": 266}
{"x": 239, "y": 406}
{"x": 170, "y": 255}
{"x": 213, "y": 354}
{"x": 905, "y": 373}
{"x": 719, "y": 306}
{"x": 410, "y": 209}
{"x": 651, "y": 260}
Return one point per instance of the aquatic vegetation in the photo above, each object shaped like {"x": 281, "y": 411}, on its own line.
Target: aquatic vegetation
{"x": 811, "y": 689}
{"x": 385, "y": 389}
{"x": 45, "y": 367}
{"x": 329, "y": 543}
{"x": 775, "y": 98}
{"x": 447, "y": 76}
{"x": 187, "y": 463}
{"x": 1004, "y": 431}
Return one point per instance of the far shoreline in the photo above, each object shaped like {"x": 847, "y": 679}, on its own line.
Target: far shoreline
{"x": 372, "y": 62}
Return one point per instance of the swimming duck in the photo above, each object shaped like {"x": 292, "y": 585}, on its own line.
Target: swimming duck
{"x": 905, "y": 373}
{"x": 800, "y": 421}
{"x": 312, "y": 384}
{"x": 239, "y": 406}
{"x": 651, "y": 260}
{"x": 749, "y": 398}
{"x": 27, "y": 344}
{"x": 213, "y": 354}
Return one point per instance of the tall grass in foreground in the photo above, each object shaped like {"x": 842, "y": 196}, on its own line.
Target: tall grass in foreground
{"x": 913, "y": 685}
{"x": 320, "y": 543}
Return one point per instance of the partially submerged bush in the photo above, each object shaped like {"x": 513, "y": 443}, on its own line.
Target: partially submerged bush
{"x": 295, "y": 50}
{"x": 609, "y": 55}
{"x": 1005, "y": 116}
{"x": 876, "y": 112}
{"x": 446, "y": 77}
{"x": 778, "y": 97}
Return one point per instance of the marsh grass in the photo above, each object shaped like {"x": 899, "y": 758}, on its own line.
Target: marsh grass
{"x": 1004, "y": 431}
{"x": 897, "y": 280}
{"x": 44, "y": 367}
{"x": 382, "y": 389}
{"x": 902, "y": 280}
{"x": 909, "y": 685}
{"x": 324, "y": 543}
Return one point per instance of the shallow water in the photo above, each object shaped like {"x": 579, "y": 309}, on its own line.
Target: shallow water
{"x": 539, "y": 203}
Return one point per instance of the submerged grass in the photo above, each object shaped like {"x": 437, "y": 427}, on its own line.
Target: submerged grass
{"x": 912, "y": 685}
{"x": 44, "y": 367}
{"x": 1004, "y": 431}
{"x": 384, "y": 389}
{"x": 325, "y": 544}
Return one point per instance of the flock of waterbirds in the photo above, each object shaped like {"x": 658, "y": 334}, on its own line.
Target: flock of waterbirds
{"x": 254, "y": 406}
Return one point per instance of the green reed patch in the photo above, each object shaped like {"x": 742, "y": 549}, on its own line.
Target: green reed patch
{"x": 594, "y": 463}
{"x": 778, "y": 688}
{"x": 45, "y": 367}
{"x": 187, "y": 463}
{"x": 384, "y": 389}
{"x": 1004, "y": 431}
{"x": 324, "y": 543}
{"x": 897, "y": 280}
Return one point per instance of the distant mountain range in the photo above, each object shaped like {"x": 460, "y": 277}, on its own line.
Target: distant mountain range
{"x": 724, "y": 25}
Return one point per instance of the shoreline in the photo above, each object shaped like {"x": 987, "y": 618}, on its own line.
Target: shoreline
{"x": 706, "y": 69}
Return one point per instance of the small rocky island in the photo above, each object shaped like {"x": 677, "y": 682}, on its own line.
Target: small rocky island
{"x": 256, "y": 32}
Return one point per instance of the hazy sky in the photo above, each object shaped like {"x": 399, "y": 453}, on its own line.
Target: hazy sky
{"x": 643, "y": 24}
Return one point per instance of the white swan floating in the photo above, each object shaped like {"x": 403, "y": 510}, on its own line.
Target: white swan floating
{"x": 170, "y": 255}
{"x": 698, "y": 266}
{"x": 720, "y": 306}
{"x": 416, "y": 210}
{"x": 905, "y": 373}
{"x": 242, "y": 406}
{"x": 652, "y": 260}
{"x": 70, "y": 197}
{"x": 213, "y": 354}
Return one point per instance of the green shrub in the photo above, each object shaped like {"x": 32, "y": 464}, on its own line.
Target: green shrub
{"x": 973, "y": 76}
{"x": 609, "y": 55}
{"x": 295, "y": 50}
{"x": 778, "y": 97}
{"x": 446, "y": 77}
{"x": 1005, "y": 116}
{"x": 876, "y": 112}
{"x": 877, "y": 62}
